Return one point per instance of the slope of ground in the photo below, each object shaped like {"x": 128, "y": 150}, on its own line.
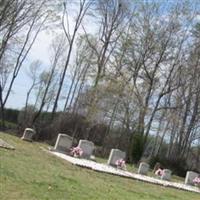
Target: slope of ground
{"x": 28, "y": 173}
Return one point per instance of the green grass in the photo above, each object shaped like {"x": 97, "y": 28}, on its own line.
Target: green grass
{"x": 28, "y": 173}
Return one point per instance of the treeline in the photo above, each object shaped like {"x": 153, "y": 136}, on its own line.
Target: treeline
{"x": 67, "y": 123}
{"x": 135, "y": 75}
{"x": 11, "y": 115}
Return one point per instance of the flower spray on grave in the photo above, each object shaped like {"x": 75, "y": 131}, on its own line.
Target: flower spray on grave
{"x": 159, "y": 172}
{"x": 196, "y": 181}
{"x": 76, "y": 152}
{"x": 121, "y": 164}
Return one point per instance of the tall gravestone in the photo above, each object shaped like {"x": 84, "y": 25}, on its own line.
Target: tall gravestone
{"x": 115, "y": 154}
{"x": 190, "y": 176}
{"x": 87, "y": 148}
{"x": 28, "y": 134}
{"x": 166, "y": 175}
{"x": 63, "y": 143}
{"x": 143, "y": 168}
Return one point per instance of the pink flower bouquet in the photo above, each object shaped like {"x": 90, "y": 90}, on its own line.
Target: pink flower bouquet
{"x": 76, "y": 152}
{"x": 196, "y": 181}
{"x": 121, "y": 164}
{"x": 159, "y": 172}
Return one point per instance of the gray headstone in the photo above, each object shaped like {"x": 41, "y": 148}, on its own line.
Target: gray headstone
{"x": 28, "y": 134}
{"x": 115, "y": 154}
{"x": 166, "y": 175}
{"x": 63, "y": 143}
{"x": 87, "y": 147}
{"x": 190, "y": 176}
{"x": 143, "y": 168}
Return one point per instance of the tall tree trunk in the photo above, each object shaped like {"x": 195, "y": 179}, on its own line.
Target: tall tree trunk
{"x": 84, "y": 6}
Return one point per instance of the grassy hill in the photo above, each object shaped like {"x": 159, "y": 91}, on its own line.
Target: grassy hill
{"x": 28, "y": 173}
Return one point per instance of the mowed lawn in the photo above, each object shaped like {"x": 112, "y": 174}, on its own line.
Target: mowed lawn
{"x": 29, "y": 173}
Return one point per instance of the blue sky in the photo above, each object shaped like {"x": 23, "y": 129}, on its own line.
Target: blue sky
{"x": 22, "y": 82}
{"x": 40, "y": 50}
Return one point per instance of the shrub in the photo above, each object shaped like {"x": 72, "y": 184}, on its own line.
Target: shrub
{"x": 137, "y": 147}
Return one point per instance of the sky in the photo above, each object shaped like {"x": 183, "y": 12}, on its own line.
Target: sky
{"x": 40, "y": 50}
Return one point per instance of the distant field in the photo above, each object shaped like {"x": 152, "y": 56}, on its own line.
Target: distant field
{"x": 28, "y": 173}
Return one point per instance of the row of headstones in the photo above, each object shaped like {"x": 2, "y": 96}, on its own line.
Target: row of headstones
{"x": 64, "y": 143}
{"x": 144, "y": 169}
{"x": 166, "y": 175}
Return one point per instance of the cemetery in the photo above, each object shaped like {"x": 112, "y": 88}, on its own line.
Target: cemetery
{"x": 52, "y": 159}
{"x": 112, "y": 167}
{"x": 100, "y": 100}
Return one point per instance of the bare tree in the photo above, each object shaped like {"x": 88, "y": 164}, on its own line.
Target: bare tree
{"x": 25, "y": 16}
{"x": 58, "y": 51}
{"x": 33, "y": 74}
{"x": 83, "y": 8}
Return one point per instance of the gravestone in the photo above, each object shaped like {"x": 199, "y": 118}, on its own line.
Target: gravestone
{"x": 28, "y": 134}
{"x": 166, "y": 175}
{"x": 63, "y": 143}
{"x": 143, "y": 168}
{"x": 190, "y": 176}
{"x": 6, "y": 145}
{"x": 115, "y": 154}
{"x": 87, "y": 148}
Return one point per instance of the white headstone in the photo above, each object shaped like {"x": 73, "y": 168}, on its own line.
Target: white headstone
{"x": 28, "y": 134}
{"x": 115, "y": 154}
{"x": 190, "y": 176}
{"x": 63, "y": 143}
{"x": 166, "y": 175}
{"x": 6, "y": 145}
{"x": 143, "y": 168}
{"x": 87, "y": 148}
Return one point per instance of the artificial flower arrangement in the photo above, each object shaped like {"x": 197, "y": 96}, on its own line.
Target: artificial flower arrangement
{"x": 159, "y": 172}
{"x": 121, "y": 164}
{"x": 76, "y": 152}
{"x": 196, "y": 181}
